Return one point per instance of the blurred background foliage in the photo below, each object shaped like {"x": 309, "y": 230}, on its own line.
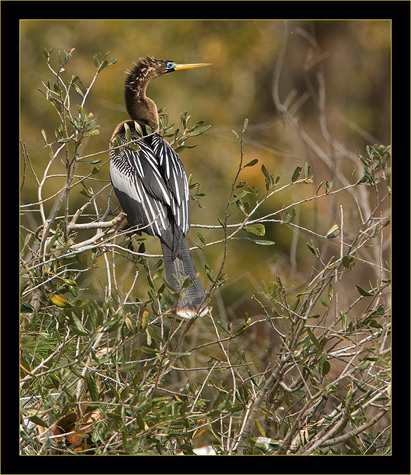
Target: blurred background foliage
{"x": 238, "y": 85}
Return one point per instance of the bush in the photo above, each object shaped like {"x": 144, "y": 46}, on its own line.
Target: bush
{"x": 117, "y": 373}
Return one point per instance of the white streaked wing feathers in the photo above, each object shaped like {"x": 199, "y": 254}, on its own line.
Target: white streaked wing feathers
{"x": 129, "y": 174}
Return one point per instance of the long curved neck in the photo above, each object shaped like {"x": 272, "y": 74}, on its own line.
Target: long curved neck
{"x": 140, "y": 108}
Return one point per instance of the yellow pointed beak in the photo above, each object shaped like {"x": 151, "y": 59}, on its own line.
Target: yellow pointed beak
{"x": 178, "y": 67}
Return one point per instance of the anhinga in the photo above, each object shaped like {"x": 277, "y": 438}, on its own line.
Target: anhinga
{"x": 150, "y": 182}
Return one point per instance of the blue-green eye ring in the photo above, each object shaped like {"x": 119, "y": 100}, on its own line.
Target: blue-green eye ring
{"x": 170, "y": 64}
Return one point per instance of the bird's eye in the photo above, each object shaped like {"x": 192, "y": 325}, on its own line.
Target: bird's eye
{"x": 170, "y": 65}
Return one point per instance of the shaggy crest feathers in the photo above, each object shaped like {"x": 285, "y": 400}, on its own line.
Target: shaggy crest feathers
{"x": 144, "y": 70}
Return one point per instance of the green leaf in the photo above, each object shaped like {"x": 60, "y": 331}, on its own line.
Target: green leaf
{"x": 110, "y": 62}
{"x": 153, "y": 335}
{"x": 70, "y": 282}
{"x": 257, "y": 229}
{"x": 265, "y": 171}
{"x": 26, "y": 307}
{"x": 92, "y": 162}
{"x": 77, "y": 89}
{"x": 312, "y": 248}
{"x": 314, "y": 339}
{"x": 333, "y": 232}
{"x": 252, "y": 163}
{"x": 103, "y": 65}
{"x": 363, "y": 292}
{"x": 60, "y": 301}
{"x": 37, "y": 420}
{"x": 138, "y": 128}
{"x": 56, "y": 103}
{"x": 92, "y": 132}
{"x": 364, "y": 365}
{"x": 113, "y": 324}
{"x": 296, "y": 174}
{"x": 290, "y": 216}
{"x": 318, "y": 188}
{"x": 328, "y": 186}
{"x": 269, "y": 178}
{"x": 201, "y": 237}
{"x": 77, "y": 326}
{"x": 259, "y": 427}
{"x": 348, "y": 261}
{"x": 91, "y": 386}
{"x": 127, "y": 132}
{"x": 343, "y": 320}
{"x": 260, "y": 242}
{"x": 223, "y": 326}
{"x": 210, "y": 273}
{"x": 199, "y": 131}
{"x": 133, "y": 147}
{"x": 184, "y": 119}
{"x": 173, "y": 353}
{"x": 325, "y": 301}
{"x": 330, "y": 292}
{"x": 239, "y": 197}
{"x": 324, "y": 365}
{"x": 243, "y": 206}
{"x": 379, "y": 312}
{"x": 243, "y": 328}
{"x": 182, "y": 147}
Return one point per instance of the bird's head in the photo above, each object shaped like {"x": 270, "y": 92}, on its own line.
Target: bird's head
{"x": 149, "y": 68}
{"x": 140, "y": 107}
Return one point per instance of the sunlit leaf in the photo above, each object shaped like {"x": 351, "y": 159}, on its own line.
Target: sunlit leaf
{"x": 333, "y": 232}
{"x": 257, "y": 229}
{"x": 43, "y": 133}
{"x": 60, "y": 301}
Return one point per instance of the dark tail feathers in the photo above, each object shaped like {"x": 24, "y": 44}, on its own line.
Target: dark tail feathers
{"x": 181, "y": 264}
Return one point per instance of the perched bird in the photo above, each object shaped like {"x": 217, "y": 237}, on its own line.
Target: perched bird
{"x": 151, "y": 185}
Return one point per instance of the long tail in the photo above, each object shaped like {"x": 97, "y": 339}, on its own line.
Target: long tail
{"x": 178, "y": 266}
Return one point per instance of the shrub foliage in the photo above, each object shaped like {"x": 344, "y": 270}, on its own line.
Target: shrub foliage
{"x": 117, "y": 373}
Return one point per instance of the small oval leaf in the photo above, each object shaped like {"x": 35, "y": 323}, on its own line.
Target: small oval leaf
{"x": 333, "y": 232}
{"x": 60, "y": 301}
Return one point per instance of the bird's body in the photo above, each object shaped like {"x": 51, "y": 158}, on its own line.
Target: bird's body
{"x": 151, "y": 185}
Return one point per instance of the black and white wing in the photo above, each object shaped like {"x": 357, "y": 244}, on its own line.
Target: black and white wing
{"x": 151, "y": 184}
{"x": 176, "y": 179}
